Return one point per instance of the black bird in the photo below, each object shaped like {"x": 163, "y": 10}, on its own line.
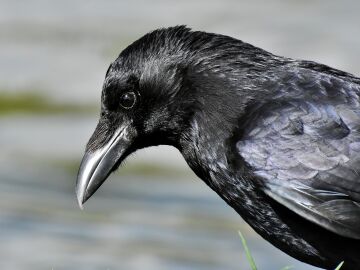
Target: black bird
{"x": 278, "y": 139}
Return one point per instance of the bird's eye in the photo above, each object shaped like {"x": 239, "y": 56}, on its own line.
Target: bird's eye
{"x": 127, "y": 100}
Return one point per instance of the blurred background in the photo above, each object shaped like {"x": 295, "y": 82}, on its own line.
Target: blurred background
{"x": 153, "y": 213}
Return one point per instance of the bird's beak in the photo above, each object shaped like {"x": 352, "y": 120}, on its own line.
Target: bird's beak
{"x": 96, "y": 165}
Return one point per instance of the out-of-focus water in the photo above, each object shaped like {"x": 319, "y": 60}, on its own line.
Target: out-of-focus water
{"x": 157, "y": 219}
{"x": 64, "y": 47}
{"x": 157, "y": 215}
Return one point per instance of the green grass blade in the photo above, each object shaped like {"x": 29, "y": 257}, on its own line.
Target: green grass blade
{"x": 247, "y": 252}
{"x": 339, "y": 266}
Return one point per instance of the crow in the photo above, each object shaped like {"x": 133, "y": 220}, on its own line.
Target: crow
{"x": 277, "y": 139}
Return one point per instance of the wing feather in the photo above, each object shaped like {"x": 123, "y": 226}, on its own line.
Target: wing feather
{"x": 308, "y": 154}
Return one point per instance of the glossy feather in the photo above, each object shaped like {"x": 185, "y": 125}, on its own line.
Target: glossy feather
{"x": 307, "y": 152}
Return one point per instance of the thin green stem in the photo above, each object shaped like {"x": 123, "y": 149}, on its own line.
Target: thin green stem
{"x": 247, "y": 252}
{"x": 339, "y": 266}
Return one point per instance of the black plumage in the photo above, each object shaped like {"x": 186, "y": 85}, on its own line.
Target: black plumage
{"x": 278, "y": 139}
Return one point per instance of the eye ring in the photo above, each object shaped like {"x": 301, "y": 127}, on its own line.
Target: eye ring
{"x": 127, "y": 100}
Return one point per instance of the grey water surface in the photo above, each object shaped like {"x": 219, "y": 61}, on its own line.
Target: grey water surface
{"x": 155, "y": 217}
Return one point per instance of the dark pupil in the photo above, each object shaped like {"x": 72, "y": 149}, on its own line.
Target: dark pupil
{"x": 127, "y": 100}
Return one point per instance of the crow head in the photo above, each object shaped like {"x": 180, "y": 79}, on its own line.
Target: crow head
{"x": 161, "y": 90}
